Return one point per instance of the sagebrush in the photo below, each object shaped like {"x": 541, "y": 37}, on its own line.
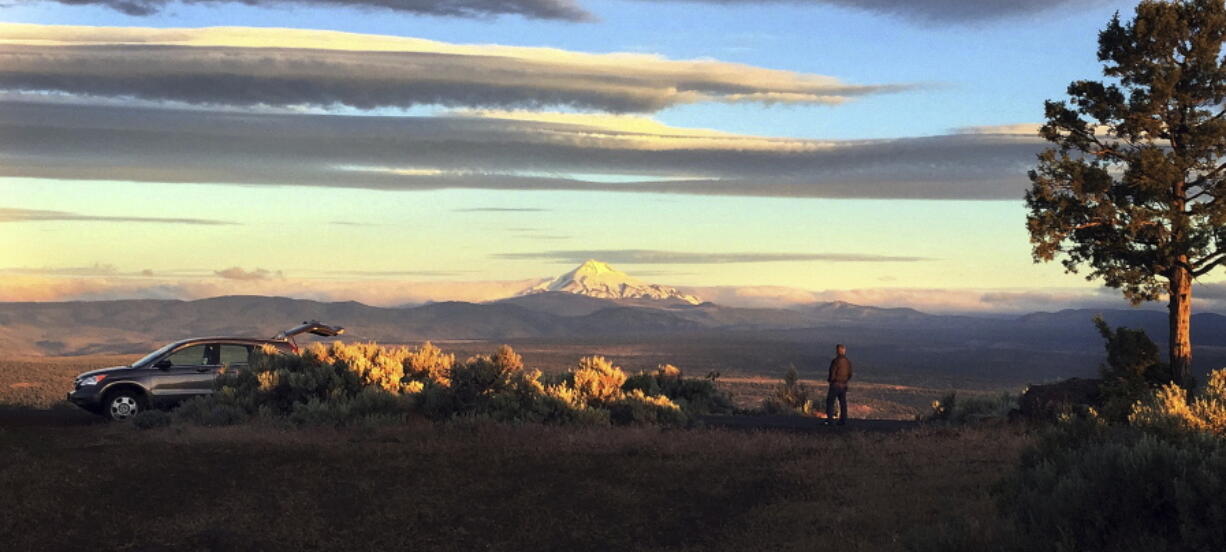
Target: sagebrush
{"x": 342, "y": 384}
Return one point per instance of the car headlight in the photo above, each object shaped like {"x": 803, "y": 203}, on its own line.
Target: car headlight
{"x": 92, "y": 380}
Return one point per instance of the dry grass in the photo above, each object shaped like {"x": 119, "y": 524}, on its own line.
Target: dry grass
{"x": 491, "y": 487}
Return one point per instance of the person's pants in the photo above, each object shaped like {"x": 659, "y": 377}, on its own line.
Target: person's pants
{"x": 837, "y": 392}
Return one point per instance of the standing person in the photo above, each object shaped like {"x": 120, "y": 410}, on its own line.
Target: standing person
{"x": 840, "y": 374}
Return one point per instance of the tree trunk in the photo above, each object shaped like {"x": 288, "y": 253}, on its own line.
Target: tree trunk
{"x": 1181, "y": 326}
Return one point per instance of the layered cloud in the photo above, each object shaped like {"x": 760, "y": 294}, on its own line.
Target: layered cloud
{"x": 8, "y": 214}
{"x": 943, "y": 11}
{"x": 32, "y": 287}
{"x": 507, "y": 151}
{"x": 647, "y": 256}
{"x": 289, "y": 67}
{"x": 535, "y": 9}
{"x": 948, "y": 11}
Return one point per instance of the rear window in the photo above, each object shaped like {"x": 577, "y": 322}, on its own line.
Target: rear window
{"x": 235, "y": 356}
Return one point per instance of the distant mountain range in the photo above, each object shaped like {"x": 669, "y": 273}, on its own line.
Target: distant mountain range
{"x": 1066, "y": 339}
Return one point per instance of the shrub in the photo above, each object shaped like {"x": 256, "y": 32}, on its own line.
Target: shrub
{"x": 429, "y": 364}
{"x": 694, "y": 396}
{"x": 345, "y": 384}
{"x": 1132, "y": 371}
{"x": 1169, "y": 412}
{"x": 641, "y": 409}
{"x": 1090, "y": 487}
{"x": 597, "y": 380}
{"x": 959, "y": 410}
{"x": 791, "y": 397}
{"x": 209, "y": 411}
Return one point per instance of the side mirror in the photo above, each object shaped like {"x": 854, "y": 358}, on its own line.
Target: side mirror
{"x": 163, "y": 364}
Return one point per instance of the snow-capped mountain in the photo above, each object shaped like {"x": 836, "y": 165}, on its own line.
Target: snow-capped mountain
{"x": 596, "y": 279}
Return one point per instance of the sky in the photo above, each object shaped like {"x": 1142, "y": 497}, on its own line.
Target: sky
{"x": 401, "y": 151}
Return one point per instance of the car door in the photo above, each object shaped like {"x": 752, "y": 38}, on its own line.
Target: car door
{"x": 235, "y": 357}
{"x": 190, "y": 372}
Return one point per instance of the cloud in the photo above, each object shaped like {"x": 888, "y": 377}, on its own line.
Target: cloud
{"x": 943, "y": 11}
{"x": 237, "y": 273}
{"x": 932, "y": 300}
{"x": 565, "y": 10}
{"x": 1024, "y": 129}
{"x": 493, "y": 151}
{"x": 397, "y": 273}
{"x": 499, "y": 210}
{"x": 647, "y": 256}
{"x": 940, "y": 11}
{"x": 351, "y": 223}
{"x": 240, "y": 66}
{"x": 8, "y": 214}
{"x": 96, "y": 269}
{"x": 365, "y": 290}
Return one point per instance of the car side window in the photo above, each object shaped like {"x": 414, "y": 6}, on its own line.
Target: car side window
{"x": 196, "y": 355}
{"x": 235, "y": 356}
{"x": 190, "y": 356}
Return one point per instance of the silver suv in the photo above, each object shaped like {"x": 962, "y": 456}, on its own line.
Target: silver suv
{"x": 178, "y": 371}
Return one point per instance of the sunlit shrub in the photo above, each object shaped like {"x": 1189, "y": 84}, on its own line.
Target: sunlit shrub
{"x": 345, "y": 384}
{"x": 1169, "y": 411}
{"x": 596, "y": 380}
{"x": 429, "y": 364}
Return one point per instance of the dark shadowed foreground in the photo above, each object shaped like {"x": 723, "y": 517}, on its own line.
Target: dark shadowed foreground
{"x": 473, "y": 486}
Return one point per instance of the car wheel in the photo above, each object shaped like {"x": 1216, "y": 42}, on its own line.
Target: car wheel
{"x": 123, "y": 405}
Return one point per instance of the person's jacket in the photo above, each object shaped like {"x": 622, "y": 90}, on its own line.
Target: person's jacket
{"x": 840, "y": 370}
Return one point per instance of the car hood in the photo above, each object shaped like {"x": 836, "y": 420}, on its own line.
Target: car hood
{"x": 109, "y": 370}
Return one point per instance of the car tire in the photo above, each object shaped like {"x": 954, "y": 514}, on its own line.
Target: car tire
{"x": 123, "y": 404}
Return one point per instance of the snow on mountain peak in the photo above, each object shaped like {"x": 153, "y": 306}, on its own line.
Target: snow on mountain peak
{"x": 596, "y": 279}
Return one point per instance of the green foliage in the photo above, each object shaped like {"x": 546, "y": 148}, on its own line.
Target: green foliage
{"x": 1087, "y": 486}
{"x": 211, "y": 411}
{"x": 975, "y": 409}
{"x": 1132, "y": 371}
{"x": 695, "y": 396}
{"x": 1118, "y": 203}
{"x": 791, "y": 397}
{"x": 1154, "y": 485}
{"x": 346, "y": 384}
{"x": 638, "y": 408}
{"x": 1133, "y": 188}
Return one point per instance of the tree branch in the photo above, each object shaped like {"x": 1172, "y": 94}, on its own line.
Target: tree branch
{"x": 1208, "y": 263}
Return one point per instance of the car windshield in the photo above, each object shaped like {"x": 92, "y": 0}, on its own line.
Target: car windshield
{"x": 154, "y": 355}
